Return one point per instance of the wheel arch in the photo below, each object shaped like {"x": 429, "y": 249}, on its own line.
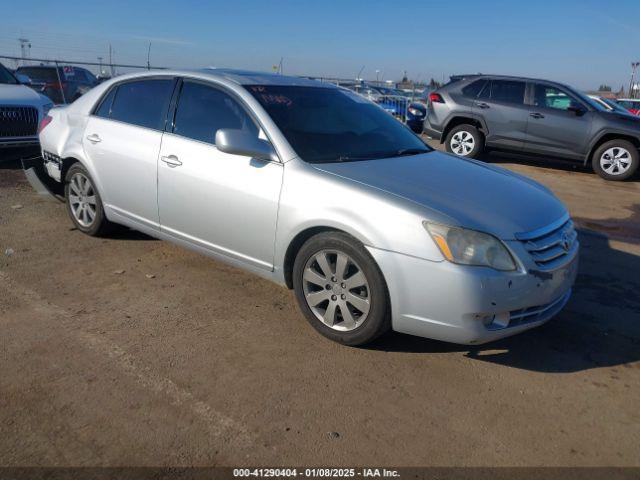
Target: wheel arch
{"x": 607, "y": 136}
{"x": 469, "y": 119}
{"x": 299, "y": 240}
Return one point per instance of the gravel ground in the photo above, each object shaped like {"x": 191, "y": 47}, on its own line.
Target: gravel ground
{"x": 131, "y": 351}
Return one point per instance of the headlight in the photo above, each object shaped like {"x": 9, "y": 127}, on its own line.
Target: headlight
{"x": 46, "y": 107}
{"x": 415, "y": 112}
{"x": 468, "y": 247}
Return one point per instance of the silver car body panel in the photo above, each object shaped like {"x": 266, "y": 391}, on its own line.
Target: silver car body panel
{"x": 249, "y": 212}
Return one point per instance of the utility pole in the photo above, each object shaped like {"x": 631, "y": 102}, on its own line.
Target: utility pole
{"x": 360, "y": 73}
{"x": 149, "y": 57}
{"x": 100, "y": 67}
{"x": 111, "y": 62}
{"x": 634, "y": 66}
{"x": 25, "y": 49}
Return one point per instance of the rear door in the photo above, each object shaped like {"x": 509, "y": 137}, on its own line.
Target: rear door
{"x": 122, "y": 140}
{"x": 559, "y": 124}
{"x": 501, "y": 105}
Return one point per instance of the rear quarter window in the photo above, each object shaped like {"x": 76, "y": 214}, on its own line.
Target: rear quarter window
{"x": 474, "y": 88}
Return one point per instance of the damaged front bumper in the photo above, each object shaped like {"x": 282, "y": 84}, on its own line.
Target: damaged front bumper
{"x": 471, "y": 305}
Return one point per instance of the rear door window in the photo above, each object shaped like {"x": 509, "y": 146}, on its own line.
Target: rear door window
{"x": 143, "y": 102}
{"x": 508, "y": 91}
{"x": 203, "y": 110}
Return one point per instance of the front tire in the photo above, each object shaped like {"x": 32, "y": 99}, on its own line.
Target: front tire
{"x": 83, "y": 201}
{"x": 341, "y": 290}
{"x": 465, "y": 141}
{"x": 616, "y": 160}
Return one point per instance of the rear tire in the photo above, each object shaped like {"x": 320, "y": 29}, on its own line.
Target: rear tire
{"x": 341, "y": 290}
{"x": 616, "y": 160}
{"x": 465, "y": 141}
{"x": 84, "y": 204}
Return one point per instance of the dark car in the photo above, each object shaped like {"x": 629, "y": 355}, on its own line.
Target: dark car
{"x": 532, "y": 116}
{"x": 64, "y": 86}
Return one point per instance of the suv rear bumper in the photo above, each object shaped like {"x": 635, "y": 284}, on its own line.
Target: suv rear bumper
{"x": 429, "y": 130}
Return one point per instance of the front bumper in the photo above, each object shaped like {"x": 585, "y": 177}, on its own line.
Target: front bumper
{"x": 19, "y": 142}
{"x": 470, "y": 305}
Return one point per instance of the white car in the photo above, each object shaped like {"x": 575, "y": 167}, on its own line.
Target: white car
{"x": 316, "y": 188}
{"x": 21, "y": 110}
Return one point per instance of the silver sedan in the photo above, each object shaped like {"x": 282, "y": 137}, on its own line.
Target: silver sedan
{"x": 313, "y": 187}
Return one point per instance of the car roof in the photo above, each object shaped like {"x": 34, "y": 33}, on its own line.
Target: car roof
{"x": 507, "y": 77}
{"x": 240, "y": 77}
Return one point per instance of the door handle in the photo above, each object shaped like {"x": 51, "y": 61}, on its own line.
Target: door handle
{"x": 94, "y": 138}
{"x": 171, "y": 160}
{"x": 482, "y": 105}
{"x": 536, "y": 115}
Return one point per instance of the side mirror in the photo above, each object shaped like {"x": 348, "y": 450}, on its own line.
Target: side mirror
{"x": 245, "y": 144}
{"x": 579, "y": 111}
{"x": 23, "y": 79}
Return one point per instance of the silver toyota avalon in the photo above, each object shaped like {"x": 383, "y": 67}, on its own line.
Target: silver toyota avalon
{"x": 320, "y": 190}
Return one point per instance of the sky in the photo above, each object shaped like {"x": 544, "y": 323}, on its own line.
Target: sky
{"x": 581, "y": 42}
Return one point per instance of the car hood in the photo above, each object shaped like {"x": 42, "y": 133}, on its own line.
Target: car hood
{"x": 474, "y": 195}
{"x": 19, "y": 95}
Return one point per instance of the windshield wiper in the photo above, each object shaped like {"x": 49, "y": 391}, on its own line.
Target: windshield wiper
{"x": 353, "y": 158}
{"x": 410, "y": 151}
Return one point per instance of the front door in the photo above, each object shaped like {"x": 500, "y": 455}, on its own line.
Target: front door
{"x": 559, "y": 124}
{"x": 227, "y": 204}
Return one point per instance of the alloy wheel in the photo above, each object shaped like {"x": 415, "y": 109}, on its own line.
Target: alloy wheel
{"x": 615, "y": 160}
{"x": 82, "y": 199}
{"x": 336, "y": 290}
{"x": 462, "y": 143}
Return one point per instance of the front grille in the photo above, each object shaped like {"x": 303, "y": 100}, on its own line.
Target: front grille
{"x": 535, "y": 314}
{"x": 18, "y": 121}
{"x": 551, "y": 246}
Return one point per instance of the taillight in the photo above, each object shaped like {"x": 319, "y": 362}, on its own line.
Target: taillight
{"x": 436, "y": 98}
{"x": 46, "y": 120}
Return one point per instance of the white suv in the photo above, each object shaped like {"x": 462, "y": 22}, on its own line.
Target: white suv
{"x": 21, "y": 110}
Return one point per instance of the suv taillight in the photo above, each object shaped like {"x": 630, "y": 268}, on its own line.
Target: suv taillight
{"x": 46, "y": 120}
{"x": 436, "y": 98}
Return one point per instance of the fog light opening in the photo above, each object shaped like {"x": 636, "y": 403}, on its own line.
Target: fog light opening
{"x": 498, "y": 320}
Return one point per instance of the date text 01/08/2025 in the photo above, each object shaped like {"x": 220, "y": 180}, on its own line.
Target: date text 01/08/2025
{"x": 315, "y": 472}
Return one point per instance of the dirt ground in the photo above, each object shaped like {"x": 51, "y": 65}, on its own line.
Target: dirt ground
{"x": 131, "y": 351}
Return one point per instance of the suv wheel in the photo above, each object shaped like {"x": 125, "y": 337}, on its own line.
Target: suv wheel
{"x": 615, "y": 160}
{"x": 83, "y": 202}
{"x": 340, "y": 289}
{"x": 465, "y": 141}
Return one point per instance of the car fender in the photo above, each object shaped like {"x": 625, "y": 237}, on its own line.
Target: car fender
{"x": 454, "y": 115}
{"x": 597, "y": 137}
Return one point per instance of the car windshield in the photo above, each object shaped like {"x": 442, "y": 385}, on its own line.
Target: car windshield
{"x": 335, "y": 125}
{"x": 615, "y": 106}
{"x": 6, "y": 78}
{"x": 588, "y": 100}
{"x": 39, "y": 74}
